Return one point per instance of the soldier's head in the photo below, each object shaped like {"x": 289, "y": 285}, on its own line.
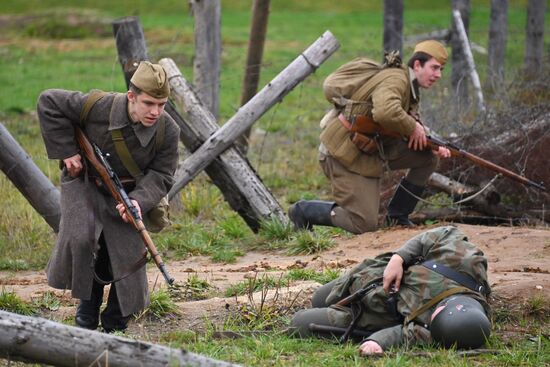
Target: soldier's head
{"x": 428, "y": 61}
{"x": 460, "y": 321}
{"x": 148, "y": 93}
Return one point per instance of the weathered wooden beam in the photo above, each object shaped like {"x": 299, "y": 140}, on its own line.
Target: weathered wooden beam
{"x": 463, "y": 37}
{"x": 238, "y": 199}
{"x": 261, "y": 204}
{"x": 29, "y": 179}
{"x": 272, "y": 93}
{"x": 38, "y": 340}
{"x": 208, "y": 50}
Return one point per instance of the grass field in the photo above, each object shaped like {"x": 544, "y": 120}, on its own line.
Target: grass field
{"x": 40, "y": 50}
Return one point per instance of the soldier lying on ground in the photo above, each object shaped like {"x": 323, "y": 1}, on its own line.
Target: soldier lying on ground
{"x": 434, "y": 288}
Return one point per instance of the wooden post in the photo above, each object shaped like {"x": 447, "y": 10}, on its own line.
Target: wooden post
{"x": 258, "y": 202}
{"x": 534, "y": 37}
{"x": 206, "y": 66}
{"x": 498, "y": 30}
{"x": 459, "y": 64}
{"x": 461, "y": 32}
{"x": 256, "y": 41}
{"x": 29, "y": 179}
{"x": 38, "y": 340}
{"x": 234, "y": 187}
{"x": 393, "y": 25}
{"x": 272, "y": 93}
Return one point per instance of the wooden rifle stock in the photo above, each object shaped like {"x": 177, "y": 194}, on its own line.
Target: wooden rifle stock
{"x": 114, "y": 186}
{"x": 365, "y": 125}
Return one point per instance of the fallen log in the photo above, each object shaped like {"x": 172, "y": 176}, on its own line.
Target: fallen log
{"x": 38, "y": 340}
{"x": 29, "y": 179}
{"x": 261, "y": 201}
{"x": 281, "y": 85}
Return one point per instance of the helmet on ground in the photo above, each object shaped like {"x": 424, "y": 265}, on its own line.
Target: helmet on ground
{"x": 462, "y": 323}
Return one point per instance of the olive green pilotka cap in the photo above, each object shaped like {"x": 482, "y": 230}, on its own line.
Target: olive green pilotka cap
{"x": 151, "y": 79}
{"x": 434, "y": 49}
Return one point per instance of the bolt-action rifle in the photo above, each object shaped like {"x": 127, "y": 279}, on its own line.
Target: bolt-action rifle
{"x": 113, "y": 184}
{"x": 365, "y": 125}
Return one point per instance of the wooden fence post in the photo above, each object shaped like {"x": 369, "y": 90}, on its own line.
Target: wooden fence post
{"x": 29, "y": 179}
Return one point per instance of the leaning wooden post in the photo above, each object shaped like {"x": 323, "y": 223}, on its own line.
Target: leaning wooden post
{"x": 33, "y": 339}
{"x": 469, "y": 59}
{"x": 272, "y": 93}
{"x": 256, "y": 41}
{"x": 208, "y": 49}
{"x": 29, "y": 179}
{"x": 257, "y": 199}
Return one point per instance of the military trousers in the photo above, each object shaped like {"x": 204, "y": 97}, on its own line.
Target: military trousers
{"x": 358, "y": 197}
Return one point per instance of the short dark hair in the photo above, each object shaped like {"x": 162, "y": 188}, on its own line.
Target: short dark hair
{"x": 420, "y": 56}
{"x": 134, "y": 89}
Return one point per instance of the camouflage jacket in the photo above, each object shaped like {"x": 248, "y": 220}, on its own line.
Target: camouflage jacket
{"x": 445, "y": 245}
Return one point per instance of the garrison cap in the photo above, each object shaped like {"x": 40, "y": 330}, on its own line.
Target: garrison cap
{"x": 151, "y": 79}
{"x": 434, "y": 49}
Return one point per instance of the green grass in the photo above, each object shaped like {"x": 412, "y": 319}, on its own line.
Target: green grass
{"x": 11, "y": 302}
{"x": 51, "y": 54}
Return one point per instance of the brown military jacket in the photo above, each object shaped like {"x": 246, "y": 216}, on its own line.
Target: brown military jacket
{"x": 445, "y": 245}
{"x": 387, "y": 94}
{"x": 86, "y": 212}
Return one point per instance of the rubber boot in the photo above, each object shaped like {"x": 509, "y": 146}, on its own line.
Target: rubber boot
{"x": 306, "y": 213}
{"x": 111, "y": 318}
{"x": 87, "y": 312}
{"x": 402, "y": 204}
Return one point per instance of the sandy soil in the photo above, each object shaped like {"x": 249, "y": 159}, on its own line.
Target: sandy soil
{"x": 519, "y": 268}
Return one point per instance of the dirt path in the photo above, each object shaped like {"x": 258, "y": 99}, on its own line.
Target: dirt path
{"x": 519, "y": 267}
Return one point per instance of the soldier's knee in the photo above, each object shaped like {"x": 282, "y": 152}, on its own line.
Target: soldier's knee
{"x": 300, "y": 323}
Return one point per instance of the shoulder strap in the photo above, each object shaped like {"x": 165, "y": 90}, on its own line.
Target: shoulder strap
{"x": 124, "y": 153}
{"x": 438, "y": 298}
{"x": 93, "y": 97}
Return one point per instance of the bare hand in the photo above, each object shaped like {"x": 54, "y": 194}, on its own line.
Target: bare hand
{"x": 122, "y": 210}
{"x": 73, "y": 165}
{"x": 442, "y": 152}
{"x": 417, "y": 140}
{"x": 370, "y": 347}
{"x": 393, "y": 273}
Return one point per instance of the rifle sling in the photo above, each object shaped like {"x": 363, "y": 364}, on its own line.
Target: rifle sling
{"x": 461, "y": 278}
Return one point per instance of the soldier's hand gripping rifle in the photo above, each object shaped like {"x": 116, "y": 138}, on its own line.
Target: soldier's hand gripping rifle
{"x": 114, "y": 186}
{"x": 367, "y": 126}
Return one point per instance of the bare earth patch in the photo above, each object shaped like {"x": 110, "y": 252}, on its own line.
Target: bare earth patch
{"x": 519, "y": 259}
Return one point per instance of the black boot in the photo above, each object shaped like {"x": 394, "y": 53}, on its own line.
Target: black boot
{"x": 111, "y": 318}
{"x": 402, "y": 204}
{"x": 87, "y": 312}
{"x": 305, "y": 213}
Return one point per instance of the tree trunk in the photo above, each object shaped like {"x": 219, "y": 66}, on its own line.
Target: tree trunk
{"x": 29, "y": 179}
{"x": 260, "y": 203}
{"x": 459, "y": 70}
{"x": 37, "y": 340}
{"x": 206, "y": 67}
{"x": 273, "y": 93}
{"x": 534, "y": 37}
{"x": 258, "y": 30}
{"x": 471, "y": 67}
{"x": 393, "y": 25}
{"x": 222, "y": 175}
{"x": 498, "y": 30}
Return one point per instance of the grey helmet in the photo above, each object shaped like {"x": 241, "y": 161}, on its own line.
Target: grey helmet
{"x": 462, "y": 323}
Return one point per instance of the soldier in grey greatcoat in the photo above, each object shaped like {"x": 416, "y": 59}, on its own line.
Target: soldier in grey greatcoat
{"x": 95, "y": 243}
{"x": 433, "y": 288}
{"x": 389, "y": 94}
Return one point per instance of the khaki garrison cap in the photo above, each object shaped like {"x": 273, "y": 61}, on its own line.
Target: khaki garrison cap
{"x": 434, "y": 49}
{"x": 151, "y": 79}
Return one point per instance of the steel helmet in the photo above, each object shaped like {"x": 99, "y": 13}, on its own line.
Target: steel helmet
{"x": 462, "y": 323}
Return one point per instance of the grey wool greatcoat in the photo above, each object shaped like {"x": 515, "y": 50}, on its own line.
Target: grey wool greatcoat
{"x": 86, "y": 212}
